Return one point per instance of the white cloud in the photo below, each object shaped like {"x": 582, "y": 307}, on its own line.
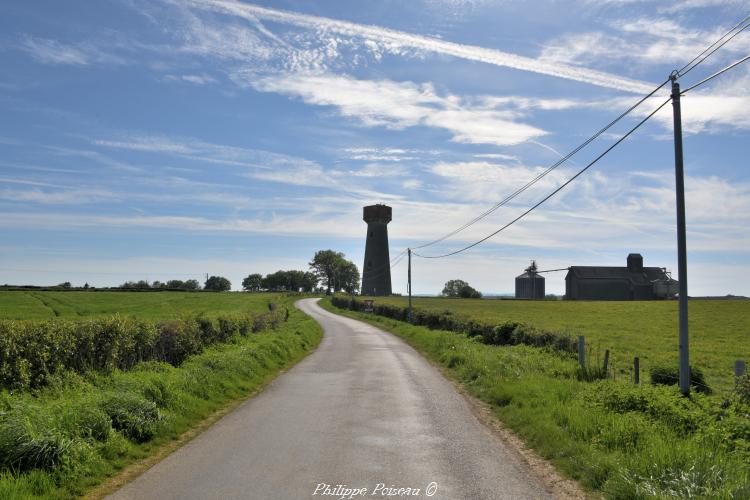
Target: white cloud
{"x": 396, "y": 41}
{"x": 398, "y": 105}
{"x": 49, "y": 51}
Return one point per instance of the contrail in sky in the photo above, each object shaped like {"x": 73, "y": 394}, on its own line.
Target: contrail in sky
{"x": 470, "y": 52}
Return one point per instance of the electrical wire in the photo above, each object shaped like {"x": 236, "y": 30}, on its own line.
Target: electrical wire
{"x": 557, "y": 190}
{"x": 709, "y": 78}
{"x": 690, "y": 66}
{"x": 546, "y": 172}
{"x": 695, "y": 62}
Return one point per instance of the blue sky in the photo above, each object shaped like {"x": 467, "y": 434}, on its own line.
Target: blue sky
{"x": 161, "y": 139}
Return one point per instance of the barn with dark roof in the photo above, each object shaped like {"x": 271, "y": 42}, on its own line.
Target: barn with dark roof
{"x": 632, "y": 282}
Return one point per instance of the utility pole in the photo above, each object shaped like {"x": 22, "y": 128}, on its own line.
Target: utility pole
{"x": 681, "y": 240}
{"x": 408, "y": 284}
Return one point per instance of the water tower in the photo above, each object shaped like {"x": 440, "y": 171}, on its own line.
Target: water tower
{"x": 376, "y": 272}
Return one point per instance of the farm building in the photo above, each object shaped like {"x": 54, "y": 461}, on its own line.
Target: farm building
{"x": 530, "y": 285}
{"x": 632, "y": 282}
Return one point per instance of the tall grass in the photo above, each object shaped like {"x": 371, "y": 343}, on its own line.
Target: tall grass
{"x": 60, "y": 439}
{"x": 616, "y": 438}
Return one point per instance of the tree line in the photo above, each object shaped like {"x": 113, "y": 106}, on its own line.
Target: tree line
{"x": 329, "y": 271}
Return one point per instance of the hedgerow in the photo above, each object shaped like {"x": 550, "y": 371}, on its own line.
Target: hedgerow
{"x": 33, "y": 352}
{"x": 508, "y": 333}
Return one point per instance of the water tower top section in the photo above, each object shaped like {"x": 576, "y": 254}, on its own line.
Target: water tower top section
{"x": 377, "y": 213}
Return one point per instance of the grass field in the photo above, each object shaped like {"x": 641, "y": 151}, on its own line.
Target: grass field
{"x": 144, "y": 305}
{"x": 719, "y": 329}
{"x": 620, "y": 440}
{"x": 66, "y": 436}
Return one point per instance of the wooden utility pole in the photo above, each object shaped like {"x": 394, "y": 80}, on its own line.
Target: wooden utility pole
{"x": 681, "y": 240}
{"x": 408, "y": 285}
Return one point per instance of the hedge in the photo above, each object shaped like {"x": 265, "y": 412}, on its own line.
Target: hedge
{"x": 508, "y": 333}
{"x": 33, "y": 351}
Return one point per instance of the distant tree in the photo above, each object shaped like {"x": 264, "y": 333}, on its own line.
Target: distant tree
{"x": 276, "y": 282}
{"x": 324, "y": 264}
{"x": 218, "y": 283}
{"x": 86, "y": 286}
{"x": 143, "y": 284}
{"x": 252, "y": 283}
{"x": 191, "y": 285}
{"x": 309, "y": 282}
{"x": 460, "y": 288}
{"x": 175, "y": 284}
{"x": 128, "y": 285}
{"x": 347, "y": 276}
{"x": 158, "y": 284}
{"x": 335, "y": 271}
{"x": 66, "y": 284}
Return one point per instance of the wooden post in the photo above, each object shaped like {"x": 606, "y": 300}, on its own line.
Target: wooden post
{"x": 606, "y": 362}
{"x": 637, "y": 370}
{"x": 581, "y": 351}
{"x": 739, "y": 368}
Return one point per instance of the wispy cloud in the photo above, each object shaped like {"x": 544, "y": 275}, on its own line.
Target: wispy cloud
{"x": 48, "y": 51}
{"x": 398, "y": 105}
{"x": 395, "y": 41}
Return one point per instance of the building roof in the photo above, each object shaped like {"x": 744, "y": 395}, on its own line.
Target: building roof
{"x": 648, "y": 275}
{"x": 528, "y": 275}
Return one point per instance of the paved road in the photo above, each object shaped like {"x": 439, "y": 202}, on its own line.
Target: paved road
{"x": 363, "y": 409}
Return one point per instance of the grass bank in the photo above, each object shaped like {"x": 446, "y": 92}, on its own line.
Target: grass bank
{"x": 615, "y": 438}
{"x": 719, "y": 329}
{"x": 62, "y": 439}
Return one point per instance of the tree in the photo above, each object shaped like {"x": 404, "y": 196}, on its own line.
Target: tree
{"x": 192, "y": 285}
{"x": 276, "y": 282}
{"x": 218, "y": 284}
{"x": 347, "y": 276}
{"x": 176, "y": 284}
{"x": 142, "y": 284}
{"x": 324, "y": 264}
{"x": 309, "y": 282}
{"x": 65, "y": 285}
{"x": 252, "y": 283}
{"x": 460, "y": 288}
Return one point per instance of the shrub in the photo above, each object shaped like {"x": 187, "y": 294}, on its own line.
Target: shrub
{"x": 135, "y": 417}
{"x": 742, "y": 388}
{"x": 670, "y": 375}
{"x": 22, "y": 447}
{"x": 509, "y": 333}
{"x": 33, "y": 353}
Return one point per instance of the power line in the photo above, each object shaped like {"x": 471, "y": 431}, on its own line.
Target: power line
{"x": 709, "y": 78}
{"x": 546, "y": 172}
{"x": 557, "y": 190}
{"x": 695, "y": 62}
{"x": 682, "y": 71}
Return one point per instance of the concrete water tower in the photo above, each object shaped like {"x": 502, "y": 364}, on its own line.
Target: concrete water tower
{"x": 376, "y": 272}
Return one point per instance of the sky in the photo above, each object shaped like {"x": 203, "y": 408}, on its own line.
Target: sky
{"x": 170, "y": 139}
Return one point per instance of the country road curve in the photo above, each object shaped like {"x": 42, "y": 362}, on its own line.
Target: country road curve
{"x": 361, "y": 410}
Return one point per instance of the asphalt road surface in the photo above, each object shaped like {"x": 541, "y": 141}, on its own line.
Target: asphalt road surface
{"x": 361, "y": 411}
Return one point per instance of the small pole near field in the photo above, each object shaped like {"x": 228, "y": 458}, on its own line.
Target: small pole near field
{"x": 739, "y": 368}
{"x": 637, "y": 370}
{"x": 408, "y": 285}
{"x": 606, "y": 362}
{"x": 581, "y": 351}
{"x": 681, "y": 240}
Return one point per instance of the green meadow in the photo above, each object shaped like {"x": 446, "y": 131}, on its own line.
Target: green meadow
{"x": 95, "y": 381}
{"x": 143, "y": 305}
{"x": 719, "y": 329}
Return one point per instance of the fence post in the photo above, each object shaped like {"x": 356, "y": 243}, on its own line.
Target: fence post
{"x": 606, "y": 362}
{"x": 581, "y": 351}
{"x": 739, "y": 368}
{"x": 637, "y": 370}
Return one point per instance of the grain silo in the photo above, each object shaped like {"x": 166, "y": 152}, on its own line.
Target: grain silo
{"x": 530, "y": 285}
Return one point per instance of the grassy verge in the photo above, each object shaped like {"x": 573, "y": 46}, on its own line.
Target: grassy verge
{"x": 622, "y": 440}
{"x": 61, "y": 440}
{"x": 719, "y": 329}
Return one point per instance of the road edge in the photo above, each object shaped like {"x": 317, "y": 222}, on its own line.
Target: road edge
{"x": 560, "y": 486}
{"x": 134, "y": 470}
